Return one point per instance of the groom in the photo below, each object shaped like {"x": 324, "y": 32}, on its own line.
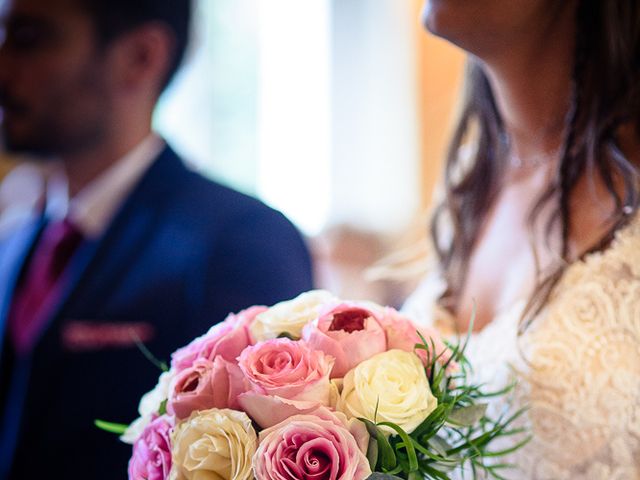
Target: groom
{"x": 129, "y": 247}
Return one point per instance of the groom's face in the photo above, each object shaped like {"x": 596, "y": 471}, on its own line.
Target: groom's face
{"x": 53, "y": 84}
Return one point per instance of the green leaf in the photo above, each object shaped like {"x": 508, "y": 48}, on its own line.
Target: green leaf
{"x": 467, "y": 416}
{"x": 372, "y": 452}
{"x": 433, "y": 422}
{"x": 507, "y": 451}
{"x": 386, "y": 456}
{"x": 382, "y": 476}
{"x": 163, "y": 407}
{"x": 426, "y": 452}
{"x": 147, "y": 353}
{"x": 458, "y": 354}
{"x": 439, "y": 445}
{"x": 287, "y": 335}
{"x": 500, "y": 393}
{"x": 371, "y": 427}
{"x": 434, "y": 473}
{"x": 117, "y": 428}
{"x": 406, "y": 444}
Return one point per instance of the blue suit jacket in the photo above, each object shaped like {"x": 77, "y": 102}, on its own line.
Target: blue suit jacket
{"x": 180, "y": 255}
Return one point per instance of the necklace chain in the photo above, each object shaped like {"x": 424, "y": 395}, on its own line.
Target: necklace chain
{"x": 530, "y": 162}
{"x": 534, "y": 161}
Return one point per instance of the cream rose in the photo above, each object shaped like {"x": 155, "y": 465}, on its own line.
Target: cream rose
{"x": 217, "y": 444}
{"x": 290, "y": 316}
{"x": 396, "y": 382}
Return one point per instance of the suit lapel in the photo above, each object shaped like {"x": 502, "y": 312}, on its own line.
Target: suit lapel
{"x": 94, "y": 271}
{"x": 98, "y": 264}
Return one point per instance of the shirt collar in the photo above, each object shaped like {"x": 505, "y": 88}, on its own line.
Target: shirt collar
{"x": 92, "y": 209}
{"x": 22, "y": 195}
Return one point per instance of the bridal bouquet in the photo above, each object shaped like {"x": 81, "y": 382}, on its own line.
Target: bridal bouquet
{"x": 314, "y": 388}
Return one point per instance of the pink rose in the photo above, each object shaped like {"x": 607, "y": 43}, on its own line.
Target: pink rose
{"x": 205, "y": 385}
{"x": 319, "y": 446}
{"x": 151, "y": 459}
{"x": 402, "y": 334}
{"x": 226, "y": 339}
{"x": 349, "y": 333}
{"x": 285, "y": 377}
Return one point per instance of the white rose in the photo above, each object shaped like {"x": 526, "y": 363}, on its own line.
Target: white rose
{"x": 148, "y": 407}
{"x": 135, "y": 429}
{"x": 213, "y": 444}
{"x": 396, "y": 382}
{"x": 151, "y": 401}
{"x": 290, "y": 316}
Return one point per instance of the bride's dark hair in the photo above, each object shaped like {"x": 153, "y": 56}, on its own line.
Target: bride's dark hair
{"x": 606, "y": 95}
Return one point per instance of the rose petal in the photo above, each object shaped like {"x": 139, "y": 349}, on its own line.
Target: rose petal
{"x": 269, "y": 410}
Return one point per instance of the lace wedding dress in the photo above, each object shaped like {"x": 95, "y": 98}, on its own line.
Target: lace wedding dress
{"x": 577, "y": 366}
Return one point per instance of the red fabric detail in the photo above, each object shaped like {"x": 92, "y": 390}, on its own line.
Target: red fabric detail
{"x": 41, "y": 283}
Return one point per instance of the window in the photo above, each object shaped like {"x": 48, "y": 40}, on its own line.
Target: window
{"x": 312, "y": 106}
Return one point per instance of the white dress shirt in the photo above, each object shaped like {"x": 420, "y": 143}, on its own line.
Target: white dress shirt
{"x": 21, "y": 196}
{"x": 92, "y": 209}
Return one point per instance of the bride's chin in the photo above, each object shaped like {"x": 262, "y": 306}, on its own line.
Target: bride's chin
{"x": 432, "y": 16}
{"x": 447, "y": 21}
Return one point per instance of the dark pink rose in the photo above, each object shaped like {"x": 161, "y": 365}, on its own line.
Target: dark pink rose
{"x": 285, "y": 377}
{"x": 348, "y": 332}
{"x": 206, "y": 385}
{"x": 318, "y": 446}
{"x": 226, "y": 339}
{"x": 151, "y": 459}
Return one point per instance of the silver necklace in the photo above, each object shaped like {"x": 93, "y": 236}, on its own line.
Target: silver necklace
{"x": 516, "y": 162}
{"x": 531, "y": 162}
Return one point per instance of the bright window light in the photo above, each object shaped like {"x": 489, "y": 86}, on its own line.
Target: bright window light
{"x": 294, "y": 109}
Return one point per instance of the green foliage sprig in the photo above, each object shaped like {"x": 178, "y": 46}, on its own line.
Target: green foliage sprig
{"x": 459, "y": 433}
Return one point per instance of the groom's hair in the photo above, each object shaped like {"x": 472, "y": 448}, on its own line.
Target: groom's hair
{"x": 113, "y": 18}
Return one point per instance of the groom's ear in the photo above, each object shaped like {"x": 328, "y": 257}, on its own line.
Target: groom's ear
{"x": 140, "y": 60}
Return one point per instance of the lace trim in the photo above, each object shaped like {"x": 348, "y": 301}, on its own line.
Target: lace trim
{"x": 578, "y": 366}
{"x": 583, "y": 381}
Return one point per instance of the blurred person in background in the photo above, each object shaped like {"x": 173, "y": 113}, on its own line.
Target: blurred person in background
{"x": 126, "y": 246}
{"x": 538, "y": 225}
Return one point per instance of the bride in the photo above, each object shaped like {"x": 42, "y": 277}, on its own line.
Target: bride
{"x": 538, "y": 224}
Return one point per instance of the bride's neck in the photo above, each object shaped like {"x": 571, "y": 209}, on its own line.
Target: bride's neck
{"x": 532, "y": 83}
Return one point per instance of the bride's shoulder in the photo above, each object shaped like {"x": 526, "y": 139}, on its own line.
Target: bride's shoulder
{"x": 584, "y": 366}
{"x": 600, "y": 294}
{"x": 614, "y": 266}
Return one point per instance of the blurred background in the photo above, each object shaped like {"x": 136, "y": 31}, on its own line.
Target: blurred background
{"x": 335, "y": 112}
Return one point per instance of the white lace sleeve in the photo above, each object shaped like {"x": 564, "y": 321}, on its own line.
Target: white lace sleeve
{"x": 584, "y": 374}
{"x": 578, "y": 367}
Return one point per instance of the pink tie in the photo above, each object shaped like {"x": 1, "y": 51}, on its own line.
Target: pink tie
{"x": 40, "y": 286}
